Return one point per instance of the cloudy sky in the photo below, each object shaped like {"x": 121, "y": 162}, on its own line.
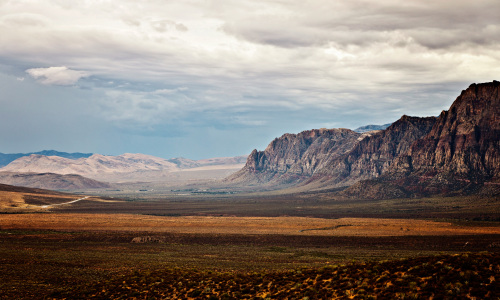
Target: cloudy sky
{"x": 202, "y": 78}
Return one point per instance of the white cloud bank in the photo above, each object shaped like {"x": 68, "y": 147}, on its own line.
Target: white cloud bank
{"x": 56, "y": 75}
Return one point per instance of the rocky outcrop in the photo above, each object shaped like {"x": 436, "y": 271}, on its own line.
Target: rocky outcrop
{"x": 374, "y": 154}
{"x": 332, "y": 157}
{"x": 293, "y": 158}
{"x": 460, "y": 155}
{"x": 455, "y": 153}
{"x": 465, "y": 140}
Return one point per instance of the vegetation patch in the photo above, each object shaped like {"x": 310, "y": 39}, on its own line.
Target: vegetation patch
{"x": 465, "y": 276}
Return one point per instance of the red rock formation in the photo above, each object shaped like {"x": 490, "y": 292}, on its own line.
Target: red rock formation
{"x": 458, "y": 152}
{"x": 295, "y": 157}
{"x": 333, "y": 157}
{"x": 460, "y": 155}
{"x": 374, "y": 155}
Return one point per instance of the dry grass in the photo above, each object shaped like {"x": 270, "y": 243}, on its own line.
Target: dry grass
{"x": 11, "y": 199}
{"x": 17, "y": 201}
{"x": 239, "y": 225}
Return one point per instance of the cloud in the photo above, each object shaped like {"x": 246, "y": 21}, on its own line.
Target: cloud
{"x": 253, "y": 63}
{"x": 164, "y": 25}
{"x": 56, "y": 75}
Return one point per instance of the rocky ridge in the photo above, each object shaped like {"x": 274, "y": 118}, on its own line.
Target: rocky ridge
{"x": 373, "y": 155}
{"x": 460, "y": 155}
{"x": 457, "y": 152}
{"x": 331, "y": 157}
{"x": 293, "y": 158}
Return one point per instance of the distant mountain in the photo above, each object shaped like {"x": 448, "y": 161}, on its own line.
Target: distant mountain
{"x": 368, "y": 128}
{"x": 51, "y": 181}
{"x": 219, "y": 161}
{"x": 6, "y": 159}
{"x": 185, "y": 163}
{"x": 95, "y": 166}
{"x": 122, "y": 168}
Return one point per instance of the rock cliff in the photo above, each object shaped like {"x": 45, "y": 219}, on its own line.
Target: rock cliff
{"x": 293, "y": 158}
{"x": 460, "y": 155}
{"x": 328, "y": 158}
{"x": 373, "y": 155}
{"x": 455, "y": 153}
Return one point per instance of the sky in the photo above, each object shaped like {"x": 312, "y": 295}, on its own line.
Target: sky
{"x": 203, "y": 78}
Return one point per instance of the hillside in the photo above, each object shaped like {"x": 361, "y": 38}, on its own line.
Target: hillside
{"x": 51, "y": 181}
{"x": 373, "y": 155}
{"x": 16, "y": 198}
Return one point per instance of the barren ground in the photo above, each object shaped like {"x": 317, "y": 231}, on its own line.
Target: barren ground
{"x": 301, "y": 226}
{"x": 304, "y": 247}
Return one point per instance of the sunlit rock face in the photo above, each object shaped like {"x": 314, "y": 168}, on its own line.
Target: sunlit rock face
{"x": 457, "y": 152}
{"x": 460, "y": 155}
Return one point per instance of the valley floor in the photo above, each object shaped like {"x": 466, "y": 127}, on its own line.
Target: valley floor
{"x": 48, "y": 264}
{"x": 250, "y": 248}
{"x": 300, "y": 226}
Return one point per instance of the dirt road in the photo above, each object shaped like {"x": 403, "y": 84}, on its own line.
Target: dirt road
{"x": 52, "y": 205}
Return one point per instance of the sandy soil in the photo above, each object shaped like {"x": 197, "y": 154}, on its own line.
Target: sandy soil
{"x": 238, "y": 225}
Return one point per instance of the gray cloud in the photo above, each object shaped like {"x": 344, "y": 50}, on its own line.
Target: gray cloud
{"x": 356, "y": 22}
{"x": 160, "y": 68}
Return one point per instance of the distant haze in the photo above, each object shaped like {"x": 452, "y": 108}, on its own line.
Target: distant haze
{"x": 202, "y": 79}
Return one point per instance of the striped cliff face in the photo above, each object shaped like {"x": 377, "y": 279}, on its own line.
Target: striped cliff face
{"x": 461, "y": 153}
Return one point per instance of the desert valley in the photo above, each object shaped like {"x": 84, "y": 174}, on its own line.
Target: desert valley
{"x": 408, "y": 210}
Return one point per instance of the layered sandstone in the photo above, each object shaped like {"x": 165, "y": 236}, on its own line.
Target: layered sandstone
{"x": 460, "y": 155}
{"x": 296, "y": 157}
{"x": 373, "y": 155}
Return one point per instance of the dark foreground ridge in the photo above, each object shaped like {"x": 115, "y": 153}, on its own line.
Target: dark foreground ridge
{"x": 465, "y": 276}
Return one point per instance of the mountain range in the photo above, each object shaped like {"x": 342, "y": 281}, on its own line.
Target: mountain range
{"x": 331, "y": 157}
{"x": 7, "y": 158}
{"x": 94, "y": 171}
{"x": 457, "y": 152}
